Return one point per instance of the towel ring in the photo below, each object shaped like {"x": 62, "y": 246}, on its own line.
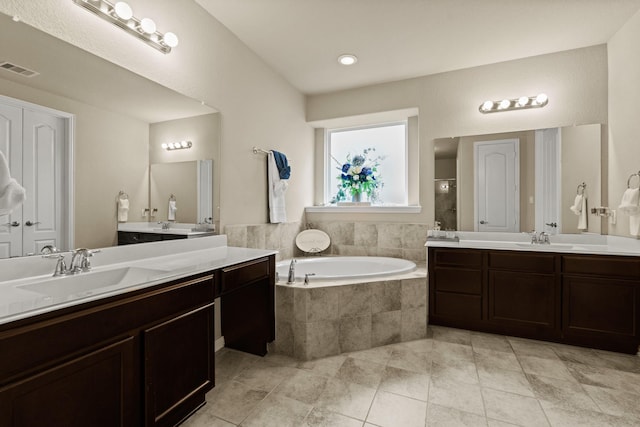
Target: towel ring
{"x": 122, "y": 195}
{"x": 581, "y": 188}
{"x": 172, "y": 198}
{"x": 631, "y": 176}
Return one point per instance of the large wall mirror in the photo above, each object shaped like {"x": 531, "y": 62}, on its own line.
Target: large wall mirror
{"x": 119, "y": 121}
{"x": 529, "y": 178}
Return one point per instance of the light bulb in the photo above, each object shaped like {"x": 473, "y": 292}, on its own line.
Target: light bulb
{"x": 170, "y": 39}
{"x": 184, "y": 144}
{"x": 164, "y": 146}
{"x": 171, "y": 146}
{"x": 504, "y": 104}
{"x": 487, "y": 105}
{"x": 148, "y": 26}
{"x": 123, "y": 10}
{"x": 347, "y": 59}
{"x": 541, "y": 99}
{"x": 523, "y": 100}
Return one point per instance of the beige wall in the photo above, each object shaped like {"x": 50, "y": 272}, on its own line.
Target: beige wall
{"x": 180, "y": 180}
{"x": 624, "y": 125}
{"x": 580, "y": 163}
{"x": 466, "y": 175}
{"x": 110, "y": 154}
{"x": 575, "y": 81}
{"x": 257, "y": 105}
{"x": 204, "y": 132}
{"x": 445, "y": 168}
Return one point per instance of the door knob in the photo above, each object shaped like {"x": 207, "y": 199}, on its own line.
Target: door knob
{"x": 12, "y": 224}
{"x": 551, "y": 224}
{"x": 484, "y": 222}
{"x": 29, "y": 223}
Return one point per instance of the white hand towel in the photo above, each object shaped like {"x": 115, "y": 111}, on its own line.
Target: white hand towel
{"x": 123, "y": 210}
{"x": 12, "y": 194}
{"x": 634, "y": 225}
{"x": 171, "y": 214}
{"x": 277, "y": 188}
{"x": 629, "y": 203}
{"x": 577, "y": 204}
{"x": 582, "y": 219}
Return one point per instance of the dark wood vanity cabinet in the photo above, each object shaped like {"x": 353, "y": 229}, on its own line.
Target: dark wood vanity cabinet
{"x": 588, "y": 300}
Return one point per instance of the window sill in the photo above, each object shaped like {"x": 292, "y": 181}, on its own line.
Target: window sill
{"x": 414, "y": 209}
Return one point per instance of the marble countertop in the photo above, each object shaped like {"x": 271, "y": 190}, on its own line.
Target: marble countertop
{"x": 137, "y": 266}
{"x": 562, "y": 243}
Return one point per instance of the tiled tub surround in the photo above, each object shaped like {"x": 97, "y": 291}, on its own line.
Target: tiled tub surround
{"x": 280, "y": 237}
{"x": 331, "y": 317}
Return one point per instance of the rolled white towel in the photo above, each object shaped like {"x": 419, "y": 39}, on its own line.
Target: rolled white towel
{"x": 123, "y": 210}
{"x": 577, "y": 204}
{"x": 12, "y": 194}
{"x": 630, "y": 202}
{"x": 171, "y": 214}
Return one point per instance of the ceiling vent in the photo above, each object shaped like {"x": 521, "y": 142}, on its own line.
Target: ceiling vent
{"x": 25, "y": 72}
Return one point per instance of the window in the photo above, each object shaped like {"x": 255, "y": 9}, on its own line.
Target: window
{"x": 376, "y": 154}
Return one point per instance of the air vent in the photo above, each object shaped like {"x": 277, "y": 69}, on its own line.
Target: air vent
{"x": 25, "y": 72}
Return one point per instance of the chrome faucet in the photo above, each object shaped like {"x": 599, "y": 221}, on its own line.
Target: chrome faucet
{"x": 292, "y": 272}
{"x": 543, "y": 238}
{"x": 79, "y": 262}
{"x": 306, "y": 277}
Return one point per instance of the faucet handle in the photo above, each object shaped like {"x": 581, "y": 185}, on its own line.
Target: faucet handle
{"x": 306, "y": 277}
{"x": 61, "y": 266}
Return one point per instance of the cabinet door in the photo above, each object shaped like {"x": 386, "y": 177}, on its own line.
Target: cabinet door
{"x": 522, "y": 301}
{"x": 601, "y": 311}
{"x": 179, "y": 366}
{"x": 97, "y": 389}
{"x": 247, "y": 317}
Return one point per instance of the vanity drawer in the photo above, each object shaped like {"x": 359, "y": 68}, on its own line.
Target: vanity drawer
{"x": 457, "y": 257}
{"x": 522, "y": 261}
{"x": 458, "y": 280}
{"x": 243, "y": 274}
{"x": 601, "y": 266}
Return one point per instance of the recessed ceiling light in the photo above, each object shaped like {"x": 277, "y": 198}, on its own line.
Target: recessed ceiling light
{"x": 347, "y": 59}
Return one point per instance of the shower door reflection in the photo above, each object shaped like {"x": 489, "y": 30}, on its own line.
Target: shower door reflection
{"x": 446, "y": 203}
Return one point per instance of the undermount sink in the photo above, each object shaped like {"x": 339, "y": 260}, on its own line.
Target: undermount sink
{"x": 90, "y": 283}
{"x": 543, "y": 246}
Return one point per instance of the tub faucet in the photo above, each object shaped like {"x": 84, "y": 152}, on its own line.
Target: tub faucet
{"x": 306, "y": 277}
{"x": 292, "y": 272}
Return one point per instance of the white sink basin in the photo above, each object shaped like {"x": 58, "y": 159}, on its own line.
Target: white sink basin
{"x": 546, "y": 245}
{"x": 90, "y": 283}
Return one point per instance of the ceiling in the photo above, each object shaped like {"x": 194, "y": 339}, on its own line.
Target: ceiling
{"x": 399, "y": 39}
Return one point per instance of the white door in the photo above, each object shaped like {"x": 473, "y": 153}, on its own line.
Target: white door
{"x": 43, "y": 153}
{"x": 11, "y": 147}
{"x": 548, "y": 180}
{"x": 497, "y": 192}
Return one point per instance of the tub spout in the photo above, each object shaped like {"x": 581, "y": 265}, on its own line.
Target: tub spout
{"x": 292, "y": 272}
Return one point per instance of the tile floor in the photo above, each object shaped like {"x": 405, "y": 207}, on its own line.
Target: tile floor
{"x": 453, "y": 378}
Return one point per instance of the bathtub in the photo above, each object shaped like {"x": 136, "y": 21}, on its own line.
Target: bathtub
{"x": 345, "y": 267}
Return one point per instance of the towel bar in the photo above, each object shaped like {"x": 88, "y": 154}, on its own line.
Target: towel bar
{"x": 631, "y": 176}
{"x": 257, "y": 150}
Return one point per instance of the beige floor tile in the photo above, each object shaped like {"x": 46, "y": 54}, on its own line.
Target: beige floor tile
{"x": 496, "y": 359}
{"x": 443, "y": 351}
{"x": 352, "y": 400}
{"x": 512, "y": 408}
{"x": 615, "y": 402}
{"x": 505, "y": 380}
{"x": 264, "y": 376}
{"x": 403, "y": 358}
{"x": 229, "y": 363}
{"x": 441, "y": 416}
{"x": 455, "y": 370}
{"x": 376, "y": 354}
{"x": 233, "y": 401}
{"x": 203, "y": 418}
{"x": 605, "y": 377}
{"x": 322, "y": 418}
{"x": 361, "y": 372}
{"x": 392, "y": 410}
{"x": 561, "y": 417}
{"x": 563, "y": 394}
{"x": 418, "y": 346}
{"x": 498, "y": 423}
{"x": 585, "y": 356}
{"x": 327, "y": 366}
{"x": 490, "y": 342}
{"x": 451, "y": 335}
{"x": 457, "y": 395}
{"x": 406, "y": 383}
{"x": 524, "y": 347}
{"x": 545, "y": 367}
{"x": 303, "y": 386}
{"x": 277, "y": 411}
{"x": 622, "y": 362}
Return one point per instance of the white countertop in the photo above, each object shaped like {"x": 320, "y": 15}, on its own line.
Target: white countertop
{"x": 185, "y": 229}
{"x": 562, "y": 243}
{"x": 153, "y": 263}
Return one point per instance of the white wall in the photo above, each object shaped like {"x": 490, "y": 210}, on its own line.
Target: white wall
{"x": 258, "y": 106}
{"x": 575, "y": 81}
{"x": 624, "y": 123}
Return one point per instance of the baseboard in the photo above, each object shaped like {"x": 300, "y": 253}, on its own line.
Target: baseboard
{"x": 219, "y": 344}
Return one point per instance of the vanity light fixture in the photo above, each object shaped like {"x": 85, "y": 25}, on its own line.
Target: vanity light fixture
{"x": 121, "y": 14}
{"x": 522, "y": 103}
{"x": 347, "y": 59}
{"x": 177, "y": 145}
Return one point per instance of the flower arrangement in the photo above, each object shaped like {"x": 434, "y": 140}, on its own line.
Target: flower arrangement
{"x": 359, "y": 175}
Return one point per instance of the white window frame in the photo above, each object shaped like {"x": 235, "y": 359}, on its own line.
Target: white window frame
{"x": 328, "y": 161}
